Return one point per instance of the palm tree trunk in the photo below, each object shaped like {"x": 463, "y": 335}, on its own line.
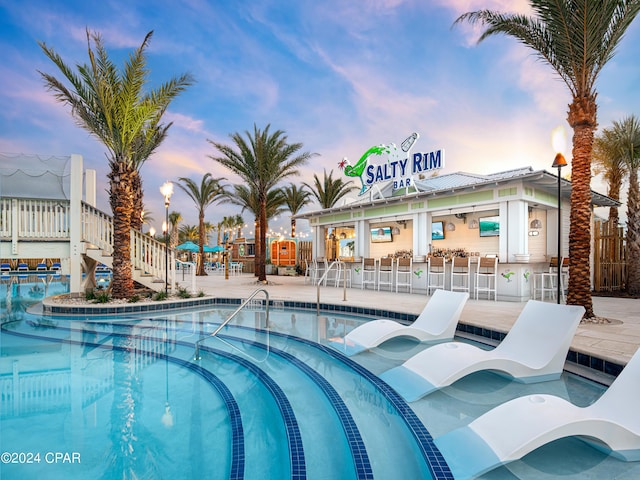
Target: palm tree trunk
{"x": 293, "y": 228}
{"x": 136, "y": 218}
{"x": 121, "y": 199}
{"x": 633, "y": 234}
{"x": 580, "y": 227}
{"x": 201, "y": 236}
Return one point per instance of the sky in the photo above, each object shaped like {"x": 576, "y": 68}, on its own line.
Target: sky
{"x": 338, "y": 76}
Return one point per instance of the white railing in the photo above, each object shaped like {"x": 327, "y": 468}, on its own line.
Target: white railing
{"x": 27, "y": 219}
{"x": 147, "y": 254}
{"x": 97, "y": 228}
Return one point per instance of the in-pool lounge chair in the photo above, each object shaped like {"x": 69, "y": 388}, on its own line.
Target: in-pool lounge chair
{"x": 437, "y": 321}
{"x": 515, "y": 428}
{"x": 534, "y": 350}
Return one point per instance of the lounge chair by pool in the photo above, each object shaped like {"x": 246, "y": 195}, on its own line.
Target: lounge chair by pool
{"x": 534, "y": 350}
{"x": 437, "y": 321}
{"x": 515, "y": 428}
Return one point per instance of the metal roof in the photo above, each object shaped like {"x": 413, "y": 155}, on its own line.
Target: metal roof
{"x": 442, "y": 185}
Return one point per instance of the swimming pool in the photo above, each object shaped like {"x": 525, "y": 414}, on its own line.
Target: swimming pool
{"x": 275, "y": 404}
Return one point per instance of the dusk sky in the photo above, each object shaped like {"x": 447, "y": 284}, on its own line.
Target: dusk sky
{"x": 337, "y": 75}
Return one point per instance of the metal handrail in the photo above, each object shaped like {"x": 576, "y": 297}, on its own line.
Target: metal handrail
{"x": 323, "y": 278}
{"x": 237, "y": 310}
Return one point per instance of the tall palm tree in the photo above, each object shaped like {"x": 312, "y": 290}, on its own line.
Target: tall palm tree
{"x": 112, "y": 106}
{"x": 330, "y": 190}
{"x": 174, "y": 220}
{"x": 606, "y": 160}
{"x": 209, "y": 191}
{"x": 262, "y": 160}
{"x": 245, "y": 198}
{"x": 627, "y": 137}
{"x": 576, "y": 38}
{"x": 295, "y": 198}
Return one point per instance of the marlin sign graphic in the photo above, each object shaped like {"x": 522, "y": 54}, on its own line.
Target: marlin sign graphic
{"x": 398, "y": 167}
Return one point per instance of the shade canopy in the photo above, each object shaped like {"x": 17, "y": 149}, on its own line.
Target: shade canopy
{"x": 188, "y": 246}
{"x": 217, "y": 248}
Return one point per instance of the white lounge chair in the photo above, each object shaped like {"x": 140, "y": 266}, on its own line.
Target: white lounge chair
{"x": 534, "y": 350}
{"x": 437, "y": 321}
{"x": 515, "y": 428}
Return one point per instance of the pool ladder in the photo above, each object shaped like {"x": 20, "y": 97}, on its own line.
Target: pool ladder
{"x": 248, "y": 302}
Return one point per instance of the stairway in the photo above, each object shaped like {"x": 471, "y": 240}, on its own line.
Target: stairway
{"x": 148, "y": 256}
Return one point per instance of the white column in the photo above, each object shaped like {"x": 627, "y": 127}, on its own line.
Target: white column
{"x": 421, "y": 233}
{"x": 90, "y": 187}
{"x": 75, "y": 250}
{"x": 517, "y": 228}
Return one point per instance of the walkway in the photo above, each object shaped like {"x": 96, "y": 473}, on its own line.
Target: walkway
{"x": 614, "y": 342}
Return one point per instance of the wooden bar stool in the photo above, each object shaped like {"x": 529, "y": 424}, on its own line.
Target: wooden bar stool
{"x": 460, "y": 270}
{"x": 487, "y": 277}
{"x": 385, "y": 273}
{"x": 368, "y": 272}
{"x": 404, "y": 274}
{"x": 435, "y": 273}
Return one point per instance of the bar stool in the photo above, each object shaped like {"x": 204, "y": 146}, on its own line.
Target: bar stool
{"x": 547, "y": 282}
{"x": 435, "y": 273}
{"x": 460, "y": 269}
{"x": 385, "y": 273}
{"x": 404, "y": 274}
{"x": 488, "y": 273}
{"x": 369, "y": 272}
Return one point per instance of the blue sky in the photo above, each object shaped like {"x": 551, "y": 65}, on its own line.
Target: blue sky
{"x": 337, "y": 75}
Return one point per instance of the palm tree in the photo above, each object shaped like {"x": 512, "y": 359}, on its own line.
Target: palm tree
{"x": 627, "y": 138}
{"x": 576, "y": 38}
{"x": 330, "y": 190}
{"x": 203, "y": 195}
{"x": 174, "y": 220}
{"x": 296, "y": 198}
{"x": 262, "y": 160}
{"x": 607, "y": 161}
{"x": 188, "y": 233}
{"x": 238, "y": 223}
{"x": 112, "y": 106}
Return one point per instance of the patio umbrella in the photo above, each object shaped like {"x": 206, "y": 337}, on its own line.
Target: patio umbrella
{"x": 217, "y": 248}
{"x": 188, "y": 246}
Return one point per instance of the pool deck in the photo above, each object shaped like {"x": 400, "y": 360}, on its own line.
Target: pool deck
{"x": 614, "y": 342}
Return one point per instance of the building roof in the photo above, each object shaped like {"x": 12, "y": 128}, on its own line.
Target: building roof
{"x": 442, "y": 185}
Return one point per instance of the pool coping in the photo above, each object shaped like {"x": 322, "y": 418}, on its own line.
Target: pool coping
{"x": 605, "y": 371}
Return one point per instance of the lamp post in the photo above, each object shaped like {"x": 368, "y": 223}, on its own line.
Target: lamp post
{"x": 167, "y": 190}
{"x": 558, "y": 163}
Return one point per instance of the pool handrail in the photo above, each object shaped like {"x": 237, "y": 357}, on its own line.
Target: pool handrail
{"x": 236, "y": 311}
{"x": 323, "y": 280}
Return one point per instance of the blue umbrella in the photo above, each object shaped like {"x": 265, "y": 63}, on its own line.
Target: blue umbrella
{"x": 217, "y": 248}
{"x": 188, "y": 246}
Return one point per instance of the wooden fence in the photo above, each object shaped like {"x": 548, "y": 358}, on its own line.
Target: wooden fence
{"x": 609, "y": 257}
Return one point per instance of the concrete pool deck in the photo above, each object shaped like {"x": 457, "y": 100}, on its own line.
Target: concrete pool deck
{"x": 614, "y": 342}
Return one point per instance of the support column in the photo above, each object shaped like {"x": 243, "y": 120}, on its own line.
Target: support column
{"x": 76, "y": 247}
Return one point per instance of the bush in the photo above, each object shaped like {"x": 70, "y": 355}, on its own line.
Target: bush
{"x": 102, "y": 297}
{"x": 183, "y": 293}
{"x": 134, "y": 299}
{"x": 159, "y": 296}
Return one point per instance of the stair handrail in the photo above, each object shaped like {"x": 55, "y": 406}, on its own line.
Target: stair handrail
{"x": 231, "y": 317}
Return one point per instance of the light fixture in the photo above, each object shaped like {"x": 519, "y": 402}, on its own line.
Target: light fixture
{"x": 473, "y": 224}
{"x": 343, "y": 235}
{"x": 535, "y": 224}
{"x": 558, "y": 163}
{"x": 167, "y": 190}
{"x": 395, "y": 231}
{"x": 450, "y": 226}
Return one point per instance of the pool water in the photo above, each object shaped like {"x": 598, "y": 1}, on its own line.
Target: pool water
{"x": 127, "y": 398}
